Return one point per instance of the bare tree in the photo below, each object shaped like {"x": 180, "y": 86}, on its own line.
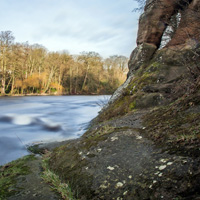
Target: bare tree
{"x": 6, "y": 41}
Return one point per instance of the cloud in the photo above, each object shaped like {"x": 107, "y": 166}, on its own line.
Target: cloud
{"x": 105, "y": 26}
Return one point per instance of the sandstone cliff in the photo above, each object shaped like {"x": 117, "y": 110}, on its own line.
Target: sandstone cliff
{"x": 145, "y": 143}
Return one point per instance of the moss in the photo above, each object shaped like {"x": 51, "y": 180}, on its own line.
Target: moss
{"x": 132, "y": 105}
{"x": 51, "y": 178}
{"x": 36, "y": 149}
{"x": 10, "y": 172}
{"x": 176, "y": 125}
{"x": 67, "y": 162}
{"x": 153, "y": 67}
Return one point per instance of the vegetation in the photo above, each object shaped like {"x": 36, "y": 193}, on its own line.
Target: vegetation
{"x": 31, "y": 69}
{"x": 50, "y": 177}
{"x": 176, "y": 125}
{"x": 9, "y": 174}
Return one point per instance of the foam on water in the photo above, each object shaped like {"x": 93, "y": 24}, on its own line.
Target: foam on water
{"x": 22, "y": 120}
{"x": 28, "y": 120}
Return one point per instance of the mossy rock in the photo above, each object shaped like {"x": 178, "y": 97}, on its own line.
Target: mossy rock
{"x": 9, "y": 174}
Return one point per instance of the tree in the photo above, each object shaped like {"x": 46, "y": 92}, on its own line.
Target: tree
{"x": 31, "y": 69}
{"x": 140, "y": 7}
{"x": 6, "y": 41}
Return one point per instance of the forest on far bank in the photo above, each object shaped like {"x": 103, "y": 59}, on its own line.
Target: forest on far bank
{"x": 32, "y": 69}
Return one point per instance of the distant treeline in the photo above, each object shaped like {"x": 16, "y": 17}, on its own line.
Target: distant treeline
{"x": 31, "y": 69}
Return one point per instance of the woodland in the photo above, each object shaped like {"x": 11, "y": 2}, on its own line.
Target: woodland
{"x": 32, "y": 70}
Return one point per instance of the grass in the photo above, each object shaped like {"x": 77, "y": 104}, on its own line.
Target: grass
{"x": 51, "y": 178}
{"x": 9, "y": 173}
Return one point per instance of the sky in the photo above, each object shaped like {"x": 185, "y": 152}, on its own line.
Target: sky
{"x": 108, "y": 27}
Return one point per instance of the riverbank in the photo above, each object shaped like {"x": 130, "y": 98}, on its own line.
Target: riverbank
{"x": 45, "y": 94}
{"x": 22, "y": 180}
{"x": 121, "y": 159}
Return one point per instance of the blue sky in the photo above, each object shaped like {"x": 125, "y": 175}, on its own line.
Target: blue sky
{"x": 108, "y": 27}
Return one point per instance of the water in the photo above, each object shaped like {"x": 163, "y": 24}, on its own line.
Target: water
{"x": 36, "y": 119}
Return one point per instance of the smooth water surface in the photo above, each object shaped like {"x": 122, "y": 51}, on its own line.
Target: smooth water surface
{"x": 35, "y": 119}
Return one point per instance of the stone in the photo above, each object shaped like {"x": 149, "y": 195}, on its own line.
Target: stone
{"x": 142, "y": 53}
{"x": 110, "y": 168}
{"x": 162, "y": 167}
{"x": 119, "y": 184}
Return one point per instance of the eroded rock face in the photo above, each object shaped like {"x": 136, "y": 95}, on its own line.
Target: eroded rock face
{"x": 188, "y": 32}
{"x": 154, "y": 21}
{"x": 155, "y": 74}
{"x": 140, "y": 54}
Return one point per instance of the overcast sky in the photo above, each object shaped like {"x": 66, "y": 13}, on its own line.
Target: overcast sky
{"x": 108, "y": 27}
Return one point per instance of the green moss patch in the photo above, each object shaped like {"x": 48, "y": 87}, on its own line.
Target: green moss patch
{"x": 67, "y": 162}
{"x": 53, "y": 179}
{"x": 9, "y": 174}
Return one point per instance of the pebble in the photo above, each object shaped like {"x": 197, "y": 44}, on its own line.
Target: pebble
{"x": 119, "y": 184}
{"x": 163, "y": 160}
{"x": 160, "y": 174}
{"x": 125, "y": 193}
{"x": 110, "y": 168}
{"x": 169, "y": 163}
{"x": 103, "y": 186}
{"x": 162, "y": 167}
{"x": 114, "y": 138}
{"x": 138, "y": 137}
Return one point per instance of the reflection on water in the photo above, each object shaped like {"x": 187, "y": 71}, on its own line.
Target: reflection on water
{"x": 28, "y": 120}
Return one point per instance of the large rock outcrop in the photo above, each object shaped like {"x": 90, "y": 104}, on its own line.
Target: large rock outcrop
{"x": 154, "y": 21}
{"x": 157, "y": 17}
{"x": 145, "y": 143}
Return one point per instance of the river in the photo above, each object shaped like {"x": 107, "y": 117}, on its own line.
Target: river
{"x": 36, "y": 119}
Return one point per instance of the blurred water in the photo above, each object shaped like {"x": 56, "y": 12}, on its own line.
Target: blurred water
{"x": 36, "y": 119}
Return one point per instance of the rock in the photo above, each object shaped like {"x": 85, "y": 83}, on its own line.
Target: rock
{"x": 154, "y": 21}
{"x": 137, "y": 151}
{"x": 162, "y": 167}
{"x": 142, "y": 53}
{"x": 187, "y": 34}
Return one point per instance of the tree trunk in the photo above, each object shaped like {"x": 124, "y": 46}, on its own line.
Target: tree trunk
{"x": 3, "y": 81}
{"x": 49, "y": 80}
{"x": 13, "y": 82}
{"x": 70, "y": 80}
{"x": 85, "y": 79}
